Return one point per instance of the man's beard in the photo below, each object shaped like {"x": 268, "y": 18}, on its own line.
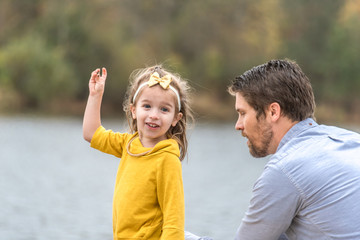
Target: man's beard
{"x": 266, "y": 137}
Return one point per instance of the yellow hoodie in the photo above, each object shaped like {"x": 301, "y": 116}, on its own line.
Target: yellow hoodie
{"x": 148, "y": 198}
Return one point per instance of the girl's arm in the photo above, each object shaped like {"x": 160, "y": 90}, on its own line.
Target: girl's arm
{"x": 92, "y": 118}
{"x": 171, "y": 197}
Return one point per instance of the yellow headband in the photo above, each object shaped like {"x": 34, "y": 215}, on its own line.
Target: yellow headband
{"x": 164, "y": 82}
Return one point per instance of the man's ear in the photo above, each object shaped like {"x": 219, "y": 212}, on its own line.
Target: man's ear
{"x": 274, "y": 111}
{"x": 176, "y": 119}
{"x": 133, "y": 112}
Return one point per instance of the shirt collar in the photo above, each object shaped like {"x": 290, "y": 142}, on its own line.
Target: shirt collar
{"x": 296, "y": 130}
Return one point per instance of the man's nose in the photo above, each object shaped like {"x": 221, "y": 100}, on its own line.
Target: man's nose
{"x": 239, "y": 125}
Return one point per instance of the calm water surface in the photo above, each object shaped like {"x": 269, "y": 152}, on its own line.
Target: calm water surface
{"x": 54, "y": 186}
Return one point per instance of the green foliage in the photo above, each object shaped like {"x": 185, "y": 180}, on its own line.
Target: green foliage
{"x": 343, "y": 56}
{"x": 49, "y": 48}
{"x": 40, "y": 74}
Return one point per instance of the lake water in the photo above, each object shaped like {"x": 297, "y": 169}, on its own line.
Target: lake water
{"x": 54, "y": 186}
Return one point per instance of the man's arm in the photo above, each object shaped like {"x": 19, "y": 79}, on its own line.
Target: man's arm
{"x": 92, "y": 118}
{"x": 272, "y": 208}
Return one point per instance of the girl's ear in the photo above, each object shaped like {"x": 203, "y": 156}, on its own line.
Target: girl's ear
{"x": 177, "y": 118}
{"x": 132, "y": 109}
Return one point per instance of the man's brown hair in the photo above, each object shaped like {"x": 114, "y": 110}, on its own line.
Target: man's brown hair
{"x": 280, "y": 81}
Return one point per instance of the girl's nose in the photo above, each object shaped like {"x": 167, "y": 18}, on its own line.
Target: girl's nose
{"x": 154, "y": 114}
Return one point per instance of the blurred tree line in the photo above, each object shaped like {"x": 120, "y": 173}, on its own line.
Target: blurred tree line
{"x": 48, "y": 48}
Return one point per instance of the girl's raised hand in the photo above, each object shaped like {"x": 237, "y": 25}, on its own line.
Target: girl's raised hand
{"x": 97, "y": 81}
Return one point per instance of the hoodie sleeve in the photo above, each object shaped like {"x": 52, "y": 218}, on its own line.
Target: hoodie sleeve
{"x": 108, "y": 141}
{"x": 171, "y": 197}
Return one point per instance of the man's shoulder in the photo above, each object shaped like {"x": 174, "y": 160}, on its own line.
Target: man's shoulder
{"x": 318, "y": 134}
{"x": 340, "y": 133}
{"x": 314, "y": 144}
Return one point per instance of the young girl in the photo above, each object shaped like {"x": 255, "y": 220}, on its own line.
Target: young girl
{"x": 148, "y": 199}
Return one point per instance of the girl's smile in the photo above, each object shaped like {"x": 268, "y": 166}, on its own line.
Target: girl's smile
{"x": 152, "y": 125}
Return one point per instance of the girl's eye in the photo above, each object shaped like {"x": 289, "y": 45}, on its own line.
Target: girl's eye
{"x": 164, "y": 109}
{"x": 147, "y": 106}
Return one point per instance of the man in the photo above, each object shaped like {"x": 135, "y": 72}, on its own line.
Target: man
{"x": 310, "y": 188}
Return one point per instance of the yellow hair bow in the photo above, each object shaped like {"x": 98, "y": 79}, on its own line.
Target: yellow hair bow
{"x": 164, "y": 82}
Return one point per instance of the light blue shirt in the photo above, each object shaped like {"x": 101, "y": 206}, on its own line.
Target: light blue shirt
{"x": 309, "y": 189}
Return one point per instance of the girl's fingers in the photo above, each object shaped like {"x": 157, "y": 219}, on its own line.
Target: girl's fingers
{"x": 104, "y": 72}
{"x": 95, "y": 74}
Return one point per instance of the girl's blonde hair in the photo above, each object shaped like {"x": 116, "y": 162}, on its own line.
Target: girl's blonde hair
{"x": 178, "y": 133}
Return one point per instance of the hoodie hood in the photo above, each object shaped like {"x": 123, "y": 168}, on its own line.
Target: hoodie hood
{"x": 168, "y": 145}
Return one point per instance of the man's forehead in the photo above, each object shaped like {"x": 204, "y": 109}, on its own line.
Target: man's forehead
{"x": 240, "y": 101}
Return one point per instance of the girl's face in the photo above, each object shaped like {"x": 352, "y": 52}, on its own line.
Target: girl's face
{"x": 155, "y": 113}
